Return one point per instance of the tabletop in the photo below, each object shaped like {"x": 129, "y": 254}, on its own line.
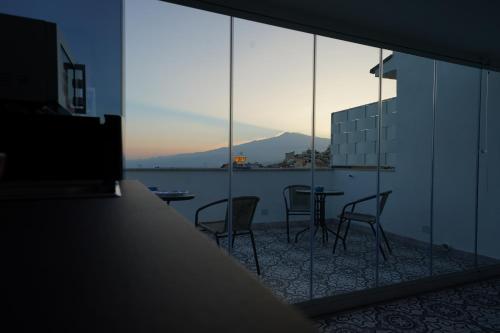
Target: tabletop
{"x": 174, "y": 196}
{"x": 322, "y": 193}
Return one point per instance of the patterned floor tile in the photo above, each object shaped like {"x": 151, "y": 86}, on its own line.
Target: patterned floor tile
{"x": 471, "y": 308}
{"x": 285, "y": 266}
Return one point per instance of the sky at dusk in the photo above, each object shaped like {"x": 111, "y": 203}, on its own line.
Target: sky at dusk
{"x": 177, "y": 79}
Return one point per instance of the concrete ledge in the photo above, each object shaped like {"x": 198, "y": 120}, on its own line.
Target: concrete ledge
{"x": 337, "y": 167}
{"x": 226, "y": 170}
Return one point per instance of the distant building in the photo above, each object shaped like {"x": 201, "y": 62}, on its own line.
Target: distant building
{"x": 240, "y": 159}
{"x": 303, "y": 160}
{"x": 241, "y": 162}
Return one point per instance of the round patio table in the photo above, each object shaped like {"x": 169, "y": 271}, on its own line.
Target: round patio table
{"x": 320, "y": 209}
{"x": 173, "y": 196}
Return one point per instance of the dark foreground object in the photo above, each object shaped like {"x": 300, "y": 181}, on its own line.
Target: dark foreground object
{"x": 129, "y": 264}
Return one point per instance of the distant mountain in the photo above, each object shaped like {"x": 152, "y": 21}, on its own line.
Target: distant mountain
{"x": 265, "y": 151}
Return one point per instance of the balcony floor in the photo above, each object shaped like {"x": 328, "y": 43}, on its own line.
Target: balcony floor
{"x": 470, "y": 308}
{"x": 285, "y": 266}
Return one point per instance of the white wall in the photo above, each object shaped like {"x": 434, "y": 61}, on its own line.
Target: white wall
{"x": 212, "y": 184}
{"x": 408, "y": 212}
{"x": 408, "y": 209}
{"x": 354, "y": 135}
{"x": 457, "y": 107}
{"x": 458, "y": 97}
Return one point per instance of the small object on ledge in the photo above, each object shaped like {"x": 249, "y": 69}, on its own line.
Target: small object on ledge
{"x": 174, "y": 195}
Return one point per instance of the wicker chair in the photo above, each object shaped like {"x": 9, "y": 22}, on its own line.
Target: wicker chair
{"x": 349, "y": 214}
{"x": 295, "y": 203}
{"x": 243, "y": 212}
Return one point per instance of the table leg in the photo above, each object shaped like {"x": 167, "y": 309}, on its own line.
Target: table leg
{"x": 316, "y": 214}
{"x": 322, "y": 218}
{"x": 322, "y": 222}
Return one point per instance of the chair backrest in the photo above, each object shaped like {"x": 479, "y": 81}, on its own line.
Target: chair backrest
{"x": 383, "y": 200}
{"x": 243, "y": 212}
{"x": 295, "y": 201}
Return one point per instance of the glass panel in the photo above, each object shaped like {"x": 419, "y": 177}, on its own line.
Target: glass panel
{"x": 418, "y": 144}
{"x": 489, "y": 177}
{"x": 406, "y": 144}
{"x": 457, "y": 107}
{"x": 347, "y": 95}
{"x": 178, "y": 104}
{"x": 272, "y": 140}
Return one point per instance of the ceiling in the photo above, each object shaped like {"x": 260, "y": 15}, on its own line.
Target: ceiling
{"x": 466, "y": 32}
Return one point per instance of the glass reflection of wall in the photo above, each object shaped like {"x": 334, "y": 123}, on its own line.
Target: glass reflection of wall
{"x": 272, "y": 139}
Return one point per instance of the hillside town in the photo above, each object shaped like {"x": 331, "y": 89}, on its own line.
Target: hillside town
{"x": 303, "y": 160}
{"x": 291, "y": 160}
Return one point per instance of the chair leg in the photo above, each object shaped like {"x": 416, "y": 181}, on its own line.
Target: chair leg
{"x": 217, "y": 240}
{"x": 385, "y": 239}
{"x": 345, "y": 234}
{"x": 380, "y": 245}
{"x": 287, "y": 228}
{"x": 299, "y": 233}
{"x": 234, "y": 237}
{"x": 326, "y": 233}
{"x": 255, "y": 252}
{"x": 337, "y": 235}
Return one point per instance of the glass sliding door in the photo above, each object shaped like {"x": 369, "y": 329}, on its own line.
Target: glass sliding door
{"x": 272, "y": 89}
{"x": 488, "y": 251}
{"x": 458, "y": 103}
{"x": 406, "y": 167}
{"x": 345, "y": 171}
{"x": 322, "y": 166}
{"x": 177, "y": 100}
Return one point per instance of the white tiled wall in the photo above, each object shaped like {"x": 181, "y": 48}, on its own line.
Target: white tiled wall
{"x": 354, "y": 135}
